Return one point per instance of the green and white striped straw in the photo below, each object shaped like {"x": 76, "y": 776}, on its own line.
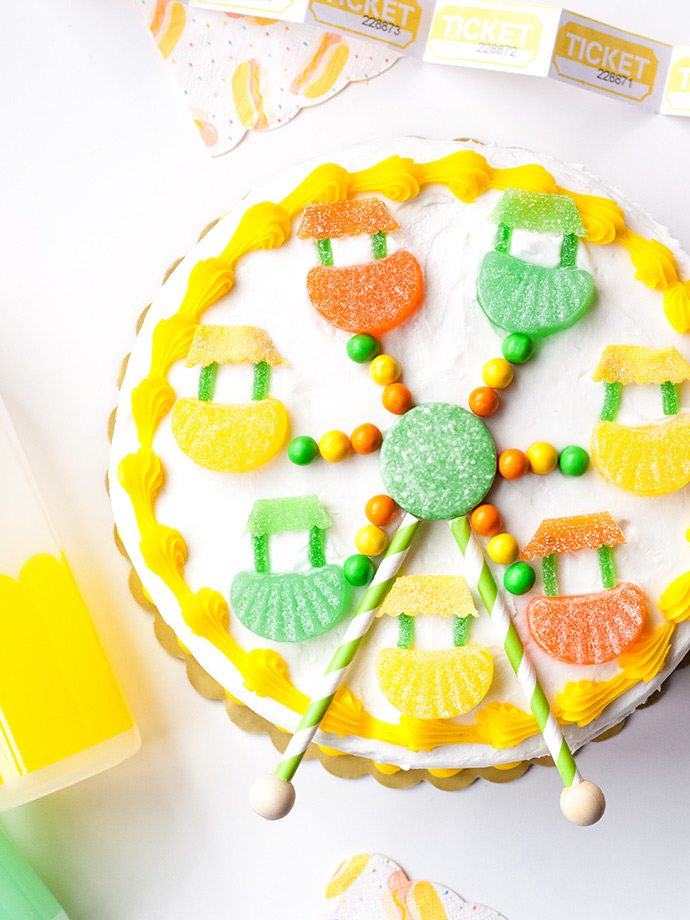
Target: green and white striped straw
{"x": 480, "y": 574}
{"x": 346, "y": 651}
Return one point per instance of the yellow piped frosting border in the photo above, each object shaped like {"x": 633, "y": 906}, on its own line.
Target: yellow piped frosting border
{"x": 467, "y": 175}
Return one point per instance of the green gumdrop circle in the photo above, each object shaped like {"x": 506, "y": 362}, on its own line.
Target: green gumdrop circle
{"x": 517, "y": 348}
{"x": 519, "y": 578}
{"x": 573, "y": 461}
{"x": 303, "y": 450}
{"x": 359, "y": 570}
{"x": 363, "y": 348}
{"x": 290, "y": 607}
{"x": 438, "y": 461}
{"x": 519, "y": 296}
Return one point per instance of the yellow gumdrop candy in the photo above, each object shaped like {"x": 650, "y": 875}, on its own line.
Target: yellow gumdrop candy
{"x": 651, "y": 460}
{"x": 435, "y": 684}
{"x": 385, "y": 370}
{"x": 230, "y": 438}
{"x": 497, "y": 373}
{"x": 503, "y": 549}
{"x": 335, "y": 446}
{"x": 371, "y": 540}
{"x": 543, "y": 458}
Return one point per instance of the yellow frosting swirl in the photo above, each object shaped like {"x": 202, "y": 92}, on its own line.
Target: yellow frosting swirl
{"x": 674, "y": 602}
{"x": 326, "y": 183}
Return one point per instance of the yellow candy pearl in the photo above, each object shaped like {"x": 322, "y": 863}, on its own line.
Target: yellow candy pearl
{"x": 371, "y": 540}
{"x": 543, "y": 458}
{"x": 385, "y": 370}
{"x": 335, "y": 446}
{"x": 503, "y": 549}
{"x": 497, "y": 373}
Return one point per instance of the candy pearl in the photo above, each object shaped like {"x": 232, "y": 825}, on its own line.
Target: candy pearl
{"x": 380, "y": 510}
{"x": 363, "y": 348}
{"x": 371, "y": 540}
{"x": 517, "y": 348}
{"x": 396, "y": 398}
{"x": 358, "y": 570}
{"x": 366, "y": 439}
{"x": 486, "y": 520}
{"x": 574, "y": 461}
{"x": 497, "y": 373}
{"x": 543, "y": 458}
{"x": 303, "y": 450}
{"x": 503, "y": 549}
{"x": 384, "y": 370}
{"x": 483, "y": 401}
{"x": 334, "y": 446}
{"x": 513, "y": 464}
{"x": 519, "y": 578}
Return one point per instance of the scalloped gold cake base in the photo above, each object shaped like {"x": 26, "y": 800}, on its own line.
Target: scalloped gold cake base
{"x": 345, "y": 766}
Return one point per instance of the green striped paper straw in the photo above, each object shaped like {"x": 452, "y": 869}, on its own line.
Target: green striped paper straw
{"x": 480, "y": 574}
{"x": 346, "y": 651}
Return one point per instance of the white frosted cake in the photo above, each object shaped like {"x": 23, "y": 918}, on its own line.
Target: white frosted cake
{"x": 514, "y": 332}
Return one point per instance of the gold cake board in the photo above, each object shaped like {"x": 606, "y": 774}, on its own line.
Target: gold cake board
{"x": 345, "y": 766}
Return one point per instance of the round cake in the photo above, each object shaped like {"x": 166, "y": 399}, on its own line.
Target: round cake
{"x": 482, "y": 339}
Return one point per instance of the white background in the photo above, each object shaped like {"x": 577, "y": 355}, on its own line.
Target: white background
{"x": 104, "y": 183}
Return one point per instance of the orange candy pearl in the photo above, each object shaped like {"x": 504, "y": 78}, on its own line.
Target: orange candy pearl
{"x": 366, "y": 439}
{"x": 487, "y": 520}
{"x": 380, "y": 510}
{"x": 484, "y": 401}
{"x": 513, "y": 464}
{"x": 396, "y": 398}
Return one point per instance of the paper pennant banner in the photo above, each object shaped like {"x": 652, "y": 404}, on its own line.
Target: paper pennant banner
{"x": 373, "y": 887}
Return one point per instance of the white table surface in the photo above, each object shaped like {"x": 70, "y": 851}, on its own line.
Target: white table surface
{"x": 105, "y": 183}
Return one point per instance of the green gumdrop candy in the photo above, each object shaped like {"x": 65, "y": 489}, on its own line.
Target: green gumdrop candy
{"x": 517, "y": 348}
{"x": 303, "y": 450}
{"x": 573, "y": 461}
{"x": 540, "y": 211}
{"x": 363, "y": 348}
{"x": 290, "y": 607}
{"x": 438, "y": 461}
{"x": 280, "y": 515}
{"x": 519, "y": 578}
{"x": 519, "y": 296}
{"x": 359, "y": 570}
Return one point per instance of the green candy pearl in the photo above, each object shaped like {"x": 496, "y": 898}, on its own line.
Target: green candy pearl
{"x": 574, "y": 461}
{"x": 303, "y": 450}
{"x": 519, "y": 578}
{"x": 358, "y": 570}
{"x": 517, "y": 348}
{"x": 363, "y": 348}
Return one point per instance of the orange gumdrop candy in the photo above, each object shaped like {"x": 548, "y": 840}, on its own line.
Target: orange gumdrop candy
{"x": 334, "y": 219}
{"x": 373, "y": 297}
{"x": 588, "y": 628}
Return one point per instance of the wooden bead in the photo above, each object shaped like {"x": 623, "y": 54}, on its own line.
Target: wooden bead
{"x": 583, "y": 803}
{"x": 272, "y": 798}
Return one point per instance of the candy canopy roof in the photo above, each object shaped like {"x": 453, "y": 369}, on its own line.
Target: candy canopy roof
{"x": 232, "y": 344}
{"x": 280, "y": 515}
{"x": 572, "y": 534}
{"x": 345, "y": 218}
{"x": 444, "y": 595}
{"x": 638, "y": 364}
{"x": 538, "y": 211}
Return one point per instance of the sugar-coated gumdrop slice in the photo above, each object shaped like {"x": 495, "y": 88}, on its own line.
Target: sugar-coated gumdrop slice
{"x": 588, "y": 628}
{"x": 522, "y": 297}
{"x": 345, "y": 218}
{"x": 571, "y": 534}
{"x": 639, "y": 364}
{"x": 281, "y": 515}
{"x": 540, "y": 211}
{"x": 650, "y": 460}
{"x": 438, "y": 461}
{"x": 372, "y": 297}
{"x": 232, "y": 344}
{"x": 435, "y": 684}
{"x": 290, "y": 607}
{"x": 444, "y": 595}
{"x": 230, "y": 438}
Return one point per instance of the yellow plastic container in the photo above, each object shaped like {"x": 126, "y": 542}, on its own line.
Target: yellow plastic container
{"x": 62, "y": 713}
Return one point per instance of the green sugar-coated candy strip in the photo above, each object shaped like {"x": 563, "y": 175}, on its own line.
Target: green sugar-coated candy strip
{"x": 608, "y": 571}
{"x": 262, "y": 378}
{"x": 379, "y": 245}
{"x": 612, "y": 401}
{"x": 503, "y": 234}
{"x": 669, "y": 396}
{"x": 461, "y": 629}
{"x": 569, "y": 250}
{"x": 207, "y": 381}
{"x": 549, "y": 576}
{"x": 325, "y": 251}
{"x": 260, "y": 544}
{"x": 317, "y": 557}
{"x": 405, "y": 631}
